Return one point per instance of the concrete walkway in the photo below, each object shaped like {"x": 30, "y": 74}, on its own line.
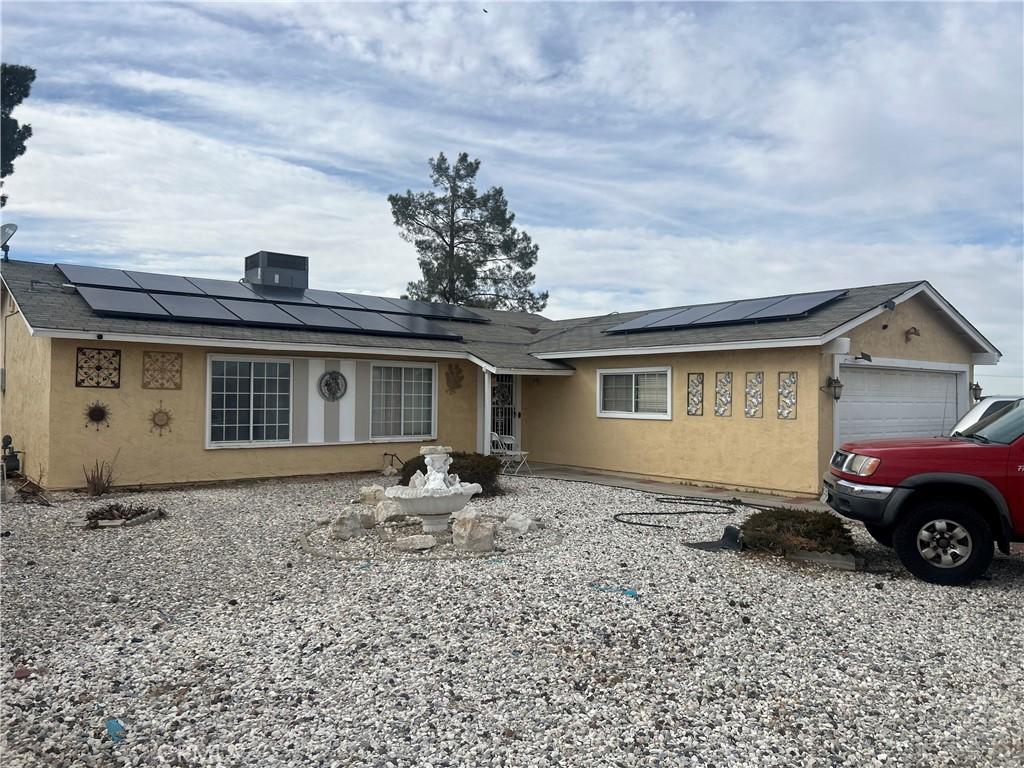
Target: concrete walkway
{"x": 665, "y": 488}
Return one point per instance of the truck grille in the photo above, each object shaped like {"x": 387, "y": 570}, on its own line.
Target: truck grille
{"x": 839, "y": 458}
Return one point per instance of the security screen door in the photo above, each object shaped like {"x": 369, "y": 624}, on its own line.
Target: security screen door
{"x": 505, "y": 405}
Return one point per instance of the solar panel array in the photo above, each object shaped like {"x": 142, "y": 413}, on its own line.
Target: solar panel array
{"x": 729, "y": 313}
{"x": 122, "y": 293}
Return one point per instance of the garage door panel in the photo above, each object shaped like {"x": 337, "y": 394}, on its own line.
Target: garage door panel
{"x": 884, "y": 402}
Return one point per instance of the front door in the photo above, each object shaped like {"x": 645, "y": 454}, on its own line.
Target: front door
{"x": 505, "y": 405}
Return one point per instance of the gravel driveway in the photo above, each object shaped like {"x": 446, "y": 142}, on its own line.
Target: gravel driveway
{"x": 214, "y": 640}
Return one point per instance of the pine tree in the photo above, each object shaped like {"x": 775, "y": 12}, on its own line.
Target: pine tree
{"x": 469, "y": 250}
{"x": 15, "y": 85}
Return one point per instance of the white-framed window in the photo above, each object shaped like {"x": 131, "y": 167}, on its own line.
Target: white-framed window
{"x": 634, "y": 393}
{"x": 402, "y": 401}
{"x": 249, "y": 401}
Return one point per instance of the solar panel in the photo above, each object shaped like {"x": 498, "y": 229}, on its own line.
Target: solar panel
{"x": 644, "y": 320}
{"x": 688, "y": 316}
{"x": 282, "y": 295}
{"x": 422, "y": 327}
{"x": 201, "y": 308}
{"x": 376, "y": 303}
{"x": 738, "y": 310}
{"x": 150, "y": 281}
{"x": 321, "y": 317}
{"x": 797, "y": 305}
{"x": 110, "y": 301}
{"x": 261, "y": 313}
{"x": 224, "y": 289}
{"x": 461, "y": 313}
{"x": 372, "y": 322}
{"x": 98, "y": 276}
{"x": 331, "y": 299}
{"x": 436, "y": 310}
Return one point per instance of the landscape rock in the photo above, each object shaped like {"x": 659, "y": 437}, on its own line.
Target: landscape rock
{"x": 470, "y": 534}
{"x": 388, "y": 511}
{"x": 371, "y": 494}
{"x": 519, "y": 523}
{"x": 418, "y": 543}
{"x": 389, "y": 471}
{"x": 348, "y": 525}
{"x": 368, "y": 517}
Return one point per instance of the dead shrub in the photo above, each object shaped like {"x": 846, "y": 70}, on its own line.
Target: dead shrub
{"x": 782, "y": 530}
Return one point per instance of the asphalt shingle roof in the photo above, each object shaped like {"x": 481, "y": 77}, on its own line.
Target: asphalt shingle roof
{"x": 509, "y": 340}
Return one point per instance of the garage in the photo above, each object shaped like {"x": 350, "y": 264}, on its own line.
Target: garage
{"x": 898, "y": 402}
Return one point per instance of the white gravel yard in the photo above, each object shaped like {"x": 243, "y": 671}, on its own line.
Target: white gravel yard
{"x": 214, "y": 640}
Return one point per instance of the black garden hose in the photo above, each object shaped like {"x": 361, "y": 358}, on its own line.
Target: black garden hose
{"x": 706, "y": 506}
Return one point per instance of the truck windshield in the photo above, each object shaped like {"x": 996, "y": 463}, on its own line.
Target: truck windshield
{"x": 1002, "y": 427}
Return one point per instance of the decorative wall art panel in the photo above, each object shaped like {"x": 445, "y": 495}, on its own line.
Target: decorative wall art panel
{"x": 723, "y": 393}
{"x": 787, "y": 394}
{"x": 161, "y": 370}
{"x": 753, "y": 403}
{"x": 695, "y": 394}
{"x": 100, "y": 368}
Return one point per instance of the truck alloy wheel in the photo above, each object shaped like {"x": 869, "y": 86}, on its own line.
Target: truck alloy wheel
{"x": 944, "y": 542}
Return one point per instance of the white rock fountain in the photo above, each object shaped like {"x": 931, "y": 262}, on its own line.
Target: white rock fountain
{"x": 436, "y": 496}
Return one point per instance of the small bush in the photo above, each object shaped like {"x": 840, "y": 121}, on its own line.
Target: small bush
{"x": 781, "y": 531}
{"x": 116, "y": 511}
{"x": 99, "y": 478}
{"x": 470, "y": 467}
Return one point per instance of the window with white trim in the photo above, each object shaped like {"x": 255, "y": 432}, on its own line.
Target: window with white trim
{"x": 250, "y": 401}
{"x": 401, "y": 401}
{"x": 642, "y": 393}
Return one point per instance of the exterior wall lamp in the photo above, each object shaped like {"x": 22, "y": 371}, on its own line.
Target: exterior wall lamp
{"x": 834, "y": 386}
{"x": 976, "y": 391}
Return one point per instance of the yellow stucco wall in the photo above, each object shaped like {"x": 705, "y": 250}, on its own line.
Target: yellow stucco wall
{"x": 179, "y": 455}
{"x": 884, "y": 336}
{"x": 560, "y": 423}
{"x": 25, "y": 404}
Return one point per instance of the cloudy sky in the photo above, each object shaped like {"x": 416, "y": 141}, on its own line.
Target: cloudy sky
{"x": 659, "y": 154}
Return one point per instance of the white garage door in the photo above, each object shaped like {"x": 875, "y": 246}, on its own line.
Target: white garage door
{"x": 892, "y": 402}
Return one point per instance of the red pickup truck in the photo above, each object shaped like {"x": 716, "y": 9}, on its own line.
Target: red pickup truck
{"x": 940, "y": 502}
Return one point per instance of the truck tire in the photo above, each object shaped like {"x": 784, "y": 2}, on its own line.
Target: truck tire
{"x": 880, "y": 533}
{"x": 944, "y": 542}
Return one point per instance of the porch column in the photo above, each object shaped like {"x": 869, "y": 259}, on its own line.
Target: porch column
{"x": 486, "y": 401}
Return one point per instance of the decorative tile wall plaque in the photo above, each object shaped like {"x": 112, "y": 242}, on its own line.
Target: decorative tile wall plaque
{"x": 98, "y": 368}
{"x": 787, "y": 394}
{"x": 723, "y": 393}
{"x": 161, "y": 370}
{"x": 753, "y": 404}
{"x": 695, "y": 394}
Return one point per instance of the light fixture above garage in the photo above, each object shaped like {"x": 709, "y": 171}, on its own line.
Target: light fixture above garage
{"x": 976, "y": 391}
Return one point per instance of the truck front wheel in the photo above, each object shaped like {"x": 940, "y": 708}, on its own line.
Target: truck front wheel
{"x": 944, "y": 542}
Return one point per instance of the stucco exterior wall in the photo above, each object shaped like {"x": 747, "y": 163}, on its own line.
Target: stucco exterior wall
{"x": 180, "y": 455}
{"x": 25, "y": 403}
{"x": 884, "y": 336}
{"x": 561, "y": 426}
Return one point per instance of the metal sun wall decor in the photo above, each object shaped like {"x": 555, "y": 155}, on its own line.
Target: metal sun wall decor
{"x": 454, "y": 377}
{"x": 695, "y": 394}
{"x": 723, "y": 393}
{"x": 97, "y": 415}
{"x": 160, "y": 419}
{"x": 332, "y": 386}
{"x": 787, "y": 394}
{"x": 753, "y": 404}
{"x": 161, "y": 370}
{"x": 99, "y": 368}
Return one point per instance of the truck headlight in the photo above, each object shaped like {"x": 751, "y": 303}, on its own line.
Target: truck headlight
{"x": 862, "y": 466}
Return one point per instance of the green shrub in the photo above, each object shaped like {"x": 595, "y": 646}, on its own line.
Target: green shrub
{"x": 470, "y": 467}
{"x": 781, "y": 531}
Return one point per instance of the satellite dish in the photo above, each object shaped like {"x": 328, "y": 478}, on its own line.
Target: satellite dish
{"x": 7, "y": 232}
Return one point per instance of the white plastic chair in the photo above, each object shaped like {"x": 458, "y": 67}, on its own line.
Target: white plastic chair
{"x": 500, "y": 451}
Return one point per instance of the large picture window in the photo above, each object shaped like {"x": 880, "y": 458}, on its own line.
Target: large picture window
{"x": 402, "y": 401}
{"x": 639, "y": 393}
{"x": 250, "y": 401}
